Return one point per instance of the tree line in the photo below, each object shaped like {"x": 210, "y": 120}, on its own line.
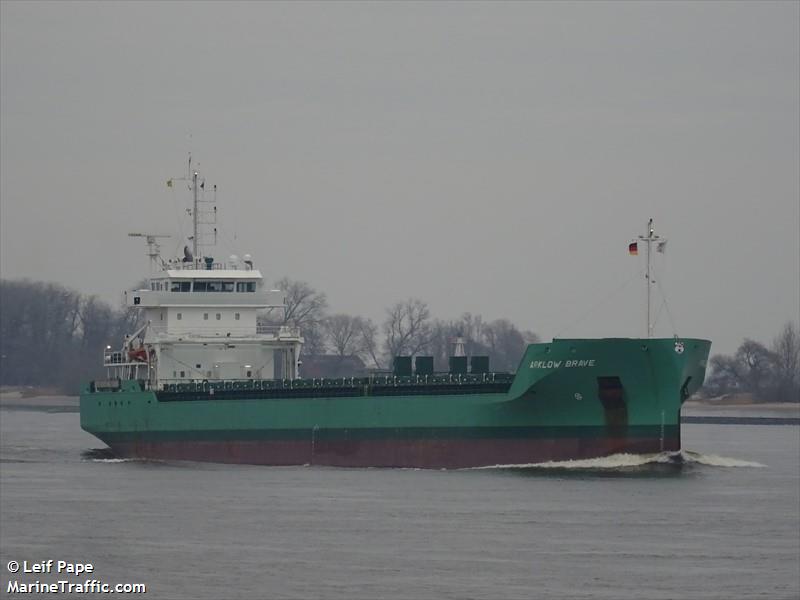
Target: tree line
{"x": 54, "y": 336}
{"x": 51, "y": 336}
{"x": 408, "y": 329}
{"x": 768, "y": 373}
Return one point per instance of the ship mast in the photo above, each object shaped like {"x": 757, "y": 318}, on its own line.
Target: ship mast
{"x": 194, "y": 213}
{"x": 203, "y": 212}
{"x": 649, "y": 238}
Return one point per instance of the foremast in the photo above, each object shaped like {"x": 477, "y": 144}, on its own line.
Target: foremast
{"x": 649, "y": 238}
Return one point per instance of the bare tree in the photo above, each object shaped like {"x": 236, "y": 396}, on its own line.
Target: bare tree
{"x": 406, "y": 329}
{"x": 352, "y": 336}
{"x": 369, "y": 336}
{"x": 786, "y": 357}
{"x": 38, "y": 324}
{"x": 304, "y": 304}
{"x": 50, "y": 335}
{"x": 506, "y": 344}
{"x": 769, "y": 375}
{"x": 724, "y": 376}
{"x": 305, "y": 309}
{"x": 344, "y": 334}
{"x": 756, "y": 364}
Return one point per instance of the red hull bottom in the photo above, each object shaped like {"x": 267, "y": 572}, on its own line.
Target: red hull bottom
{"x": 424, "y": 454}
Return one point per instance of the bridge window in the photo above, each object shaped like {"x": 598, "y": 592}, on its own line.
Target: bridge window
{"x": 181, "y": 286}
{"x": 219, "y": 316}
{"x": 236, "y": 316}
{"x": 213, "y": 286}
{"x": 245, "y": 286}
{"x": 205, "y": 316}
{"x": 179, "y": 316}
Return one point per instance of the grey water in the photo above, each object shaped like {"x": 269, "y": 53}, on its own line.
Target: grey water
{"x": 723, "y": 522}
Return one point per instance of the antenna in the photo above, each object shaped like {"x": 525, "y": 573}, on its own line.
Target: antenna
{"x": 153, "y": 249}
{"x": 194, "y": 212}
{"x": 649, "y": 238}
{"x": 202, "y": 216}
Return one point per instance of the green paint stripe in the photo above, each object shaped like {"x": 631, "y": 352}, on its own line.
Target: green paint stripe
{"x": 407, "y": 433}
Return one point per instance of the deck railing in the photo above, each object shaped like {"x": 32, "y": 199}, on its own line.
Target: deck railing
{"x": 436, "y": 379}
{"x": 199, "y": 264}
{"x": 275, "y": 331}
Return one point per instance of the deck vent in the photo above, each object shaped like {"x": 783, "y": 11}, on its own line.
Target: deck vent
{"x": 402, "y": 366}
{"x": 458, "y": 364}
{"x": 423, "y": 365}
{"x": 479, "y": 364}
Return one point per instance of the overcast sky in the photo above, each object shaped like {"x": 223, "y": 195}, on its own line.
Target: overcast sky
{"x": 489, "y": 158}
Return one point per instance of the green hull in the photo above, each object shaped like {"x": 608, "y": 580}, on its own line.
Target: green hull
{"x": 569, "y": 399}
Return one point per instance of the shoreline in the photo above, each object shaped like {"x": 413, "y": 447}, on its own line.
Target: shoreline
{"x": 712, "y": 405}
{"x": 14, "y": 400}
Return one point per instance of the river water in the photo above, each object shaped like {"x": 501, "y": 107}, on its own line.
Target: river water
{"x": 724, "y": 522}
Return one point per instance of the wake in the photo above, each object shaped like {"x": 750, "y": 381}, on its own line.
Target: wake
{"x": 104, "y": 455}
{"x": 621, "y": 462}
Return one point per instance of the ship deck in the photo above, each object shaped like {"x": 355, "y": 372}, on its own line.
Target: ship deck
{"x": 348, "y": 387}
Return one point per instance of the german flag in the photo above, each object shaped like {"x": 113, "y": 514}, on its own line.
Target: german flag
{"x": 633, "y": 249}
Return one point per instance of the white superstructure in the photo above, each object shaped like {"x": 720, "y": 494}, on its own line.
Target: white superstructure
{"x": 200, "y": 321}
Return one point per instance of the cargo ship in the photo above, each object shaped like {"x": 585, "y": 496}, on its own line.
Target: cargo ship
{"x": 203, "y": 380}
